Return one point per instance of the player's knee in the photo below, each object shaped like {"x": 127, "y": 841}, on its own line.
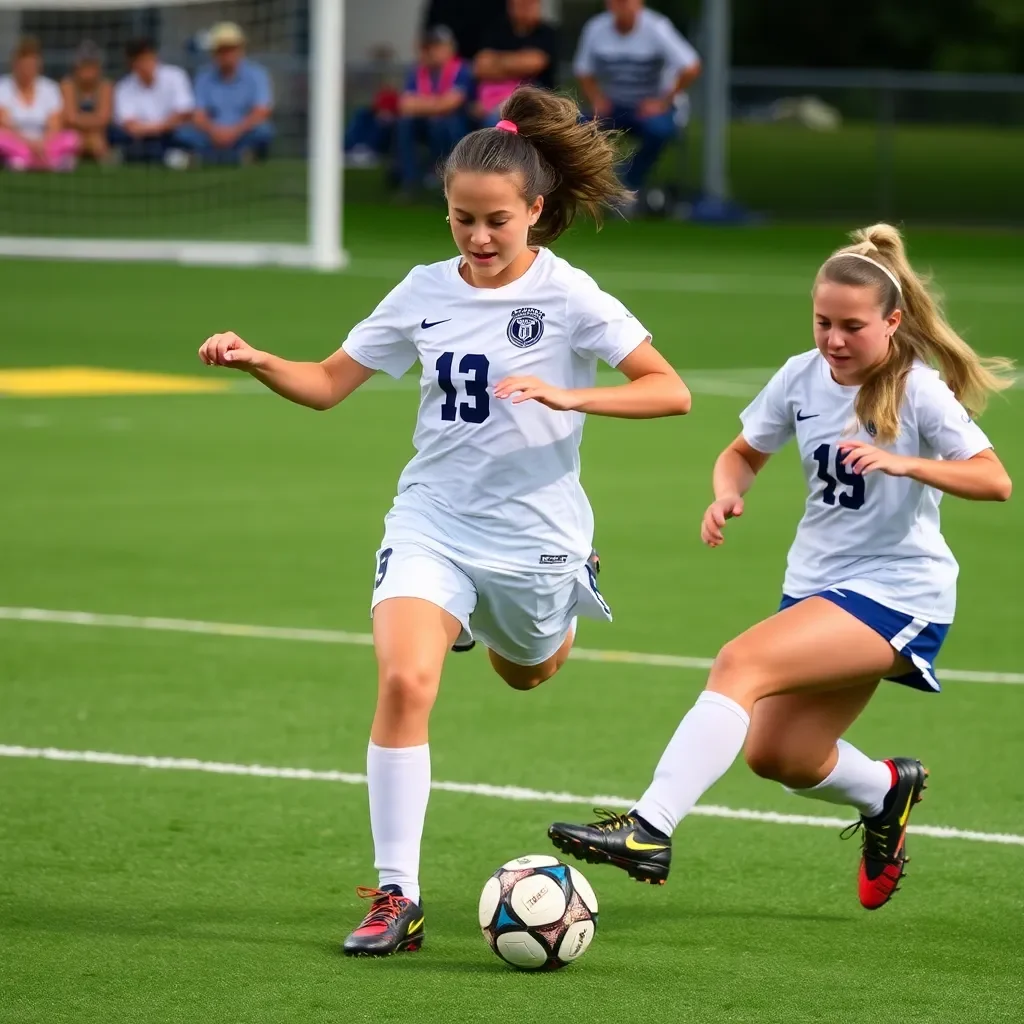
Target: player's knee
{"x": 783, "y": 764}
{"x": 736, "y": 673}
{"x": 408, "y": 688}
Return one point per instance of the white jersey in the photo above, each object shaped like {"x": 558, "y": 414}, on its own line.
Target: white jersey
{"x": 496, "y": 483}
{"x": 876, "y": 535}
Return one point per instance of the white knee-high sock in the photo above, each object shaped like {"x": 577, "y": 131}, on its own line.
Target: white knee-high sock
{"x": 398, "y": 779}
{"x": 856, "y": 780}
{"x": 706, "y": 742}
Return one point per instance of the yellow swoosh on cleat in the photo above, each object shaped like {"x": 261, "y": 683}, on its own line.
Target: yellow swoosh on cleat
{"x": 906, "y": 810}
{"x": 632, "y": 844}
{"x": 414, "y": 927}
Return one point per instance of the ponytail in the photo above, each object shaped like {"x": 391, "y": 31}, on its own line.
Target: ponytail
{"x": 923, "y": 333}
{"x": 570, "y": 162}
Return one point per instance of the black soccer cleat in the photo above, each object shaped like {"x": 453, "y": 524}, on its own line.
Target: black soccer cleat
{"x": 393, "y": 925}
{"x": 619, "y": 839}
{"x": 884, "y": 854}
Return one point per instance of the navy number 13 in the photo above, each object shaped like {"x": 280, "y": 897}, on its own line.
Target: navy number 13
{"x": 475, "y": 368}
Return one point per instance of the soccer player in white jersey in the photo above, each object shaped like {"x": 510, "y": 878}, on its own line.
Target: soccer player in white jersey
{"x": 870, "y": 587}
{"x": 491, "y": 532}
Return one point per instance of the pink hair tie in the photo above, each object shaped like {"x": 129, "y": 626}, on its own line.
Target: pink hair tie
{"x": 507, "y": 126}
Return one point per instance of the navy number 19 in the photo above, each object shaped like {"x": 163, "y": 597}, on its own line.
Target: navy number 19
{"x": 854, "y": 497}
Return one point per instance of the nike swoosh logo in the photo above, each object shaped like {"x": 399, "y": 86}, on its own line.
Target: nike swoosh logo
{"x": 632, "y": 844}
{"x": 414, "y": 927}
{"x": 906, "y": 810}
{"x": 426, "y": 327}
{"x": 810, "y": 416}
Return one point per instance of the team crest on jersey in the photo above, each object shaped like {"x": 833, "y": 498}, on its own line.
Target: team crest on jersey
{"x": 526, "y": 327}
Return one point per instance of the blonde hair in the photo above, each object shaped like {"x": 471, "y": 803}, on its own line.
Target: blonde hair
{"x": 923, "y": 333}
{"x": 569, "y": 161}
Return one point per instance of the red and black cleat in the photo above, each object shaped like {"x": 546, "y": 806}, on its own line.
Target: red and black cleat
{"x": 884, "y": 854}
{"x": 393, "y": 925}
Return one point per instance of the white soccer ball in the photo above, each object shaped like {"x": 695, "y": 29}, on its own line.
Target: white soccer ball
{"x": 536, "y": 912}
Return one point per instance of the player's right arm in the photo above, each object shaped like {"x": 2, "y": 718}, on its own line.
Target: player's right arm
{"x": 733, "y": 476}
{"x": 767, "y": 426}
{"x": 315, "y": 385}
{"x": 380, "y": 342}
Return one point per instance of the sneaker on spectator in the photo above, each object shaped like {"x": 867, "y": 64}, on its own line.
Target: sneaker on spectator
{"x": 361, "y": 156}
{"x": 176, "y": 159}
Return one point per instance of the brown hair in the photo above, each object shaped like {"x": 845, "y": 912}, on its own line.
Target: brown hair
{"x": 28, "y": 46}
{"x": 570, "y": 162}
{"x": 923, "y": 333}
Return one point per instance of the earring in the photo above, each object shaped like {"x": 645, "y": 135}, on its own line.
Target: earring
{"x": 447, "y": 219}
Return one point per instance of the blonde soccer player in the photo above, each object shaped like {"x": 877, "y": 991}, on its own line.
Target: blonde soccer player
{"x": 882, "y": 411}
{"x": 490, "y": 536}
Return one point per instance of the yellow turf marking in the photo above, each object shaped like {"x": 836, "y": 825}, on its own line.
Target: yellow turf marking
{"x": 75, "y": 381}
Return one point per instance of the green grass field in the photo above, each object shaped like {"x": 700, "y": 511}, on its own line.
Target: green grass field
{"x": 132, "y": 893}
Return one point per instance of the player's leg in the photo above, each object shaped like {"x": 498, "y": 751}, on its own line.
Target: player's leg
{"x": 814, "y": 646}
{"x": 793, "y": 739}
{"x": 527, "y": 677}
{"x": 796, "y": 739}
{"x": 411, "y": 637}
{"x": 422, "y": 603}
{"x": 529, "y": 622}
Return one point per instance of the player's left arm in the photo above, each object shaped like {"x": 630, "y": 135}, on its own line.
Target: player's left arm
{"x": 981, "y": 477}
{"x": 966, "y": 466}
{"x": 654, "y": 389}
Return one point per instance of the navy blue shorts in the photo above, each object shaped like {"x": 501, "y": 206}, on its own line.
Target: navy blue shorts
{"x": 917, "y": 640}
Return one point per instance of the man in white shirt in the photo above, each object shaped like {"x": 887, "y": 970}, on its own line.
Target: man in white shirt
{"x": 631, "y": 64}
{"x": 150, "y": 105}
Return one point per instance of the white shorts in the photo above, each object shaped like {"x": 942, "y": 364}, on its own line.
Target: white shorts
{"x": 524, "y": 617}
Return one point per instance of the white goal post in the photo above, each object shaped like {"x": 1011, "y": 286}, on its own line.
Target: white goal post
{"x": 316, "y": 216}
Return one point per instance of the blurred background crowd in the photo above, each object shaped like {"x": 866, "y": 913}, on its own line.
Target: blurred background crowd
{"x": 915, "y": 91}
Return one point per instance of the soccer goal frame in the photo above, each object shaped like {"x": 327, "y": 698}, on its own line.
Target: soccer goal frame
{"x": 323, "y": 247}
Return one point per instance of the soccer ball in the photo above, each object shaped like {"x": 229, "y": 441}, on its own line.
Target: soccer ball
{"x": 538, "y": 913}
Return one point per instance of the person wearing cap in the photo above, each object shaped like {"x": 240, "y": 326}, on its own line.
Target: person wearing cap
{"x": 151, "y": 104}
{"x": 432, "y": 109}
{"x": 89, "y": 101}
{"x": 234, "y": 101}
{"x": 32, "y": 132}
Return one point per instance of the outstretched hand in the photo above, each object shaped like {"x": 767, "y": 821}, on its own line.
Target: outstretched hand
{"x": 229, "y": 349}
{"x": 715, "y": 518}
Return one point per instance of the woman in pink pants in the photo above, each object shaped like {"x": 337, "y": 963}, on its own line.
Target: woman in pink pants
{"x": 32, "y": 136}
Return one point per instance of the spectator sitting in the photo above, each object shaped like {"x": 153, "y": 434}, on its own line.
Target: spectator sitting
{"x": 89, "y": 101}
{"x": 32, "y": 133}
{"x": 370, "y": 129}
{"x": 631, "y": 64}
{"x": 432, "y": 108}
{"x": 234, "y": 100}
{"x": 522, "y": 51}
{"x": 151, "y": 104}
{"x": 368, "y": 136}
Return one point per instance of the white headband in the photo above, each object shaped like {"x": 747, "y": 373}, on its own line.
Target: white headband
{"x": 867, "y": 259}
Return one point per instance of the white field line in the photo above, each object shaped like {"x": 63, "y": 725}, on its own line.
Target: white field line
{"x": 333, "y": 636}
{"x": 520, "y": 793}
